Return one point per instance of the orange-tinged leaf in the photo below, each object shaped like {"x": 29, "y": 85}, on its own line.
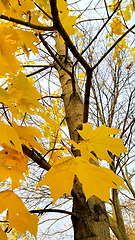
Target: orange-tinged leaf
{"x": 3, "y": 235}
{"x": 11, "y": 158}
{"x": 99, "y": 141}
{"x": 95, "y": 180}
{"x": 18, "y": 215}
{"x": 129, "y": 66}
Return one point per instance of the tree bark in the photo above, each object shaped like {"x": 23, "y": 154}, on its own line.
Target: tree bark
{"x": 93, "y": 222}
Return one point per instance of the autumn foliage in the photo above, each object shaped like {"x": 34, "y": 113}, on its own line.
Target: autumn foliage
{"x": 22, "y": 28}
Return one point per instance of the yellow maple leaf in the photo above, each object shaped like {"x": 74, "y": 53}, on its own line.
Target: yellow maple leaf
{"x": 116, "y": 26}
{"x": 10, "y": 137}
{"x": 18, "y": 215}
{"x": 23, "y": 93}
{"x": 9, "y": 63}
{"x": 26, "y": 39}
{"x": 81, "y": 75}
{"x": 28, "y": 133}
{"x": 17, "y": 9}
{"x": 67, "y": 21}
{"x": 95, "y": 180}
{"x": 3, "y": 235}
{"x": 4, "y": 96}
{"x": 13, "y": 173}
{"x": 11, "y": 158}
{"x": 127, "y": 13}
{"x": 99, "y": 141}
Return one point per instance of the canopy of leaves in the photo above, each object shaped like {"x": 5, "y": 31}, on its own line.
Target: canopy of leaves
{"x": 20, "y": 99}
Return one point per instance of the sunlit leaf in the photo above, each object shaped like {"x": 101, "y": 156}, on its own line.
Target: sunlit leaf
{"x": 3, "y": 235}
{"x": 10, "y": 137}
{"x": 95, "y": 180}
{"x": 18, "y": 215}
{"x": 28, "y": 133}
{"x": 100, "y": 142}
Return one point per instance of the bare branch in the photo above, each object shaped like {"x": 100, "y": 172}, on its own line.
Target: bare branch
{"x": 32, "y": 65}
{"x": 27, "y": 24}
{"x": 41, "y": 211}
{"x": 101, "y": 28}
{"x": 112, "y": 47}
{"x": 38, "y": 71}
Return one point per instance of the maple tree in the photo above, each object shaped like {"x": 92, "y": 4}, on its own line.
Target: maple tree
{"x": 44, "y": 36}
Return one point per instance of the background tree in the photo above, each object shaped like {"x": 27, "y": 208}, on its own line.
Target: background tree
{"x": 91, "y": 80}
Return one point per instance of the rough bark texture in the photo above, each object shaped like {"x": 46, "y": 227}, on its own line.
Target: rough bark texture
{"x": 92, "y": 222}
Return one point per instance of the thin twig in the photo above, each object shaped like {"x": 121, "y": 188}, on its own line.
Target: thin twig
{"x": 38, "y": 71}
{"x": 41, "y": 211}
{"x": 112, "y": 47}
{"x": 42, "y": 10}
{"x": 100, "y": 30}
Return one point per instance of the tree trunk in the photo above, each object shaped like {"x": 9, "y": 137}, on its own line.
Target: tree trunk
{"x": 92, "y": 222}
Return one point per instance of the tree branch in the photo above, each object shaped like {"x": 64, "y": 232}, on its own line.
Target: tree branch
{"x": 41, "y": 211}
{"x": 32, "y": 65}
{"x": 39, "y": 160}
{"x": 125, "y": 120}
{"x": 87, "y": 95}
{"x": 38, "y": 71}
{"x": 114, "y": 226}
{"x": 109, "y": 50}
{"x": 101, "y": 28}
{"x": 27, "y": 24}
{"x": 118, "y": 213}
{"x": 53, "y": 55}
{"x": 42, "y": 10}
{"x": 58, "y": 26}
